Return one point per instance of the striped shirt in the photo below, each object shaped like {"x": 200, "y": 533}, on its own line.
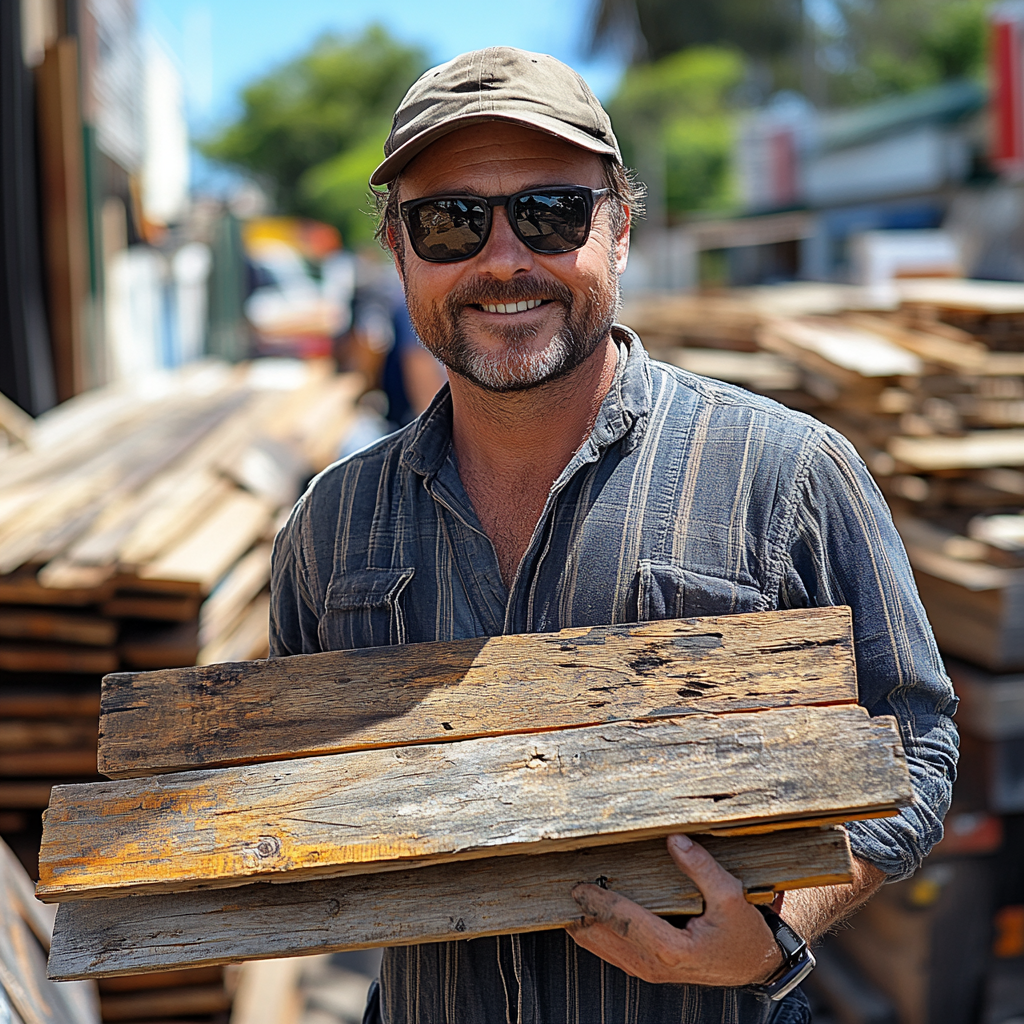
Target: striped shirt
{"x": 690, "y": 497}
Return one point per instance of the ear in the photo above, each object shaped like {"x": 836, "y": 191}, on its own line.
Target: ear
{"x": 393, "y": 241}
{"x": 621, "y": 244}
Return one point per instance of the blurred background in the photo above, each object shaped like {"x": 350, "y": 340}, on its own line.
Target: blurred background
{"x": 195, "y": 318}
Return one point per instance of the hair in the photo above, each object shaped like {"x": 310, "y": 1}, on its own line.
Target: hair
{"x": 627, "y": 203}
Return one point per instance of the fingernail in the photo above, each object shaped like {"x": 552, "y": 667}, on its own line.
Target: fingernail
{"x": 681, "y": 842}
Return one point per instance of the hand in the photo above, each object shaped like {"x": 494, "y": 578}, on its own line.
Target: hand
{"x": 728, "y": 945}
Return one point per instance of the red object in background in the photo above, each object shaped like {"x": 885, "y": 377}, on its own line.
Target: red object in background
{"x": 1007, "y": 57}
{"x": 782, "y": 150}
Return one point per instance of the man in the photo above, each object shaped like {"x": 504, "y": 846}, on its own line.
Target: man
{"x": 565, "y": 479}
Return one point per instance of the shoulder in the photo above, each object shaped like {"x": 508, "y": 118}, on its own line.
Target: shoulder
{"x": 351, "y": 484}
{"x": 728, "y": 410}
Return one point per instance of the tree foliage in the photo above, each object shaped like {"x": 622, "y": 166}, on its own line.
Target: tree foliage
{"x": 898, "y": 46}
{"x": 677, "y": 111}
{"x": 311, "y": 131}
{"x": 851, "y": 50}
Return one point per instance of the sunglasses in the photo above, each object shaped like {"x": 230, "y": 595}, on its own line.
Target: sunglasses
{"x": 446, "y": 229}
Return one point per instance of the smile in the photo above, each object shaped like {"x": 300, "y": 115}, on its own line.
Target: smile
{"x": 511, "y": 307}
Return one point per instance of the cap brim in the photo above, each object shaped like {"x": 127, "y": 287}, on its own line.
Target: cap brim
{"x": 394, "y": 164}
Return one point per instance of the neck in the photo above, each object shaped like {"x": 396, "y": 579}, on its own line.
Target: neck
{"x": 537, "y": 431}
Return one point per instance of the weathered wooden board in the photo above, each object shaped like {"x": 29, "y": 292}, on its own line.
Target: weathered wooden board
{"x": 24, "y": 936}
{"x": 406, "y": 806}
{"x": 415, "y": 693}
{"x": 134, "y": 934}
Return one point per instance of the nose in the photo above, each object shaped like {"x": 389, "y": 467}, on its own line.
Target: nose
{"x": 504, "y": 255}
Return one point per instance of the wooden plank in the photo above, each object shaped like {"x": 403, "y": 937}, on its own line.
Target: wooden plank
{"x": 156, "y": 645}
{"x": 62, "y": 627}
{"x": 222, "y": 609}
{"x": 18, "y": 735}
{"x": 25, "y": 795}
{"x": 168, "y": 1002}
{"x": 250, "y": 638}
{"x": 42, "y": 703}
{"x": 269, "y": 992}
{"x": 23, "y": 967}
{"x": 162, "y": 607}
{"x": 46, "y": 763}
{"x": 24, "y": 588}
{"x": 64, "y": 211}
{"x": 414, "y": 693}
{"x": 98, "y": 938}
{"x": 161, "y": 979}
{"x": 230, "y": 529}
{"x": 15, "y": 657}
{"x": 976, "y": 450}
{"x": 377, "y": 810}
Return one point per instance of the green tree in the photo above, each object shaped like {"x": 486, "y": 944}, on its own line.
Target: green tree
{"x": 675, "y": 121}
{"x": 311, "y": 131}
{"x": 864, "y": 49}
{"x": 899, "y": 46}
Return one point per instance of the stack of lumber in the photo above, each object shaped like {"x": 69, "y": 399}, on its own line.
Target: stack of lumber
{"x": 135, "y": 532}
{"x": 930, "y": 392}
{"x": 458, "y": 789}
{"x": 26, "y": 996}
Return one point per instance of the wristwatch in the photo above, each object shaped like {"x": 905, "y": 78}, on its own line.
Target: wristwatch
{"x": 797, "y": 958}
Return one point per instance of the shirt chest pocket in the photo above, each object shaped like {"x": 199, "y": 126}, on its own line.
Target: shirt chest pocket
{"x": 667, "y": 591}
{"x": 363, "y": 608}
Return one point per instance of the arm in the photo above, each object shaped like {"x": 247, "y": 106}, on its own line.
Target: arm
{"x": 843, "y": 549}
{"x": 293, "y": 619}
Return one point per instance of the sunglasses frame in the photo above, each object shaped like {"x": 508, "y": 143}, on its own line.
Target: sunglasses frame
{"x": 589, "y": 196}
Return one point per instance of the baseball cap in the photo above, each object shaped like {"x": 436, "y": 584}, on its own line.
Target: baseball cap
{"x": 500, "y": 83}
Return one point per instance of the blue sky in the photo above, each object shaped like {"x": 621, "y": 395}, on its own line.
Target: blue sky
{"x": 223, "y": 44}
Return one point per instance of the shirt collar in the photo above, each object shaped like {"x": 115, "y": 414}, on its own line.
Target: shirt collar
{"x": 623, "y": 413}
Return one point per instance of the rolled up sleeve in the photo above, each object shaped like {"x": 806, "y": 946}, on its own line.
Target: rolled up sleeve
{"x": 845, "y": 550}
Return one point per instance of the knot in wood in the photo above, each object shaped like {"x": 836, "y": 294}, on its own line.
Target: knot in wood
{"x": 265, "y": 848}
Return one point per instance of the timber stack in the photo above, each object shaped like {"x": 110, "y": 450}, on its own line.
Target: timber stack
{"x": 929, "y": 388}
{"x": 135, "y": 533}
{"x": 477, "y": 780}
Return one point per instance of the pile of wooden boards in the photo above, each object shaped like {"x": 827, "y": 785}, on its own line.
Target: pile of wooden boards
{"x": 450, "y": 790}
{"x": 135, "y": 532}
{"x": 26, "y": 996}
{"x": 931, "y": 393}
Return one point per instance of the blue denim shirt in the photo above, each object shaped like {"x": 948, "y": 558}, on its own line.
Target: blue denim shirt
{"x": 690, "y": 497}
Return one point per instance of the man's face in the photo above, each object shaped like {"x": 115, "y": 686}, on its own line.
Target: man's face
{"x": 576, "y": 293}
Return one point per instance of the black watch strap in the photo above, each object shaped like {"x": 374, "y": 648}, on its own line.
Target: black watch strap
{"x": 797, "y": 959}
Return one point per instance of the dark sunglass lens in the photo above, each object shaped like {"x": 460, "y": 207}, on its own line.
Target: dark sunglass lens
{"x": 447, "y": 229}
{"x": 552, "y": 221}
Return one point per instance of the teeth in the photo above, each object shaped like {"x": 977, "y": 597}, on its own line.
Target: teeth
{"x": 511, "y": 307}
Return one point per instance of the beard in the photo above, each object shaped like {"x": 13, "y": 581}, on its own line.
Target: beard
{"x": 517, "y": 366}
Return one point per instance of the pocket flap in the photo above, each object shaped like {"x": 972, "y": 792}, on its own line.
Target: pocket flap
{"x": 366, "y": 588}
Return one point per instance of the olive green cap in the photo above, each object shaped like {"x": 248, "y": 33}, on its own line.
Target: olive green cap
{"x": 500, "y": 83}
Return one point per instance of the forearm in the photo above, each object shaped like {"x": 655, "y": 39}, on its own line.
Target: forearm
{"x": 813, "y": 912}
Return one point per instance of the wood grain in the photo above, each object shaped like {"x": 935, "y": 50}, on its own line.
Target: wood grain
{"x": 134, "y": 934}
{"x": 384, "y": 809}
{"x": 415, "y": 693}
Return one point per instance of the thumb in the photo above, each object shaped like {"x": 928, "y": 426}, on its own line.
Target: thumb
{"x": 716, "y": 885}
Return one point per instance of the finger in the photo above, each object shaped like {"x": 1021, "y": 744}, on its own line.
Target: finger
{"x": 592, "y": 936}
{"x": 716, "y": 885}
{"x": 629, "y": 920}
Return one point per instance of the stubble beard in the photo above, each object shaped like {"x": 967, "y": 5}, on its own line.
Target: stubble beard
{"x": 516, "y": 366}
